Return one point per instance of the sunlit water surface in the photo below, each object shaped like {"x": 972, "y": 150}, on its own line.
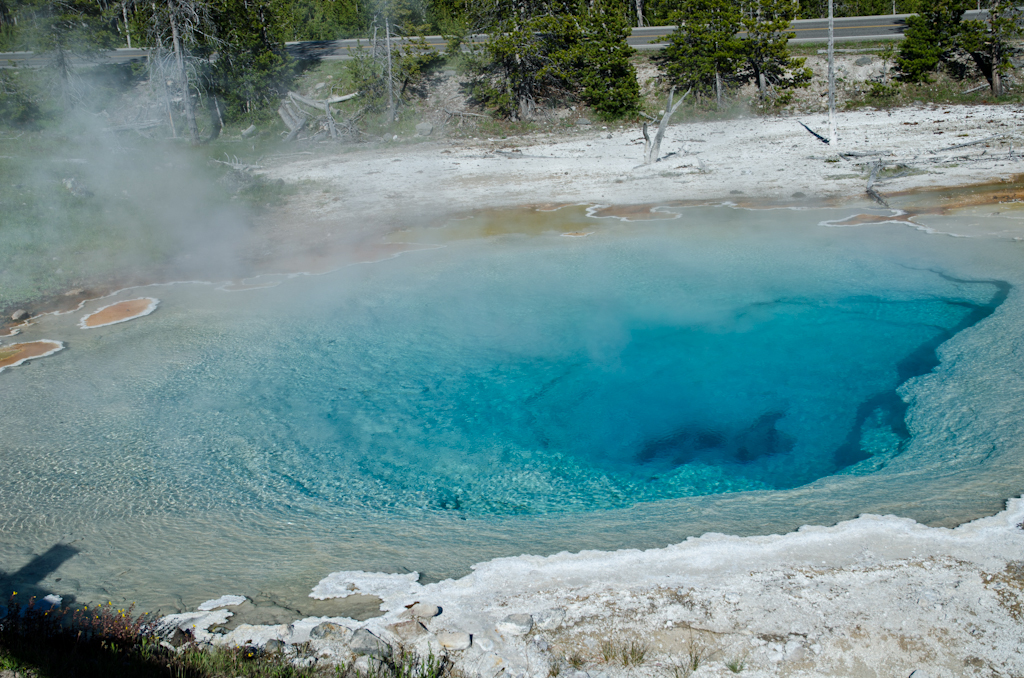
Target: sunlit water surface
{"x": 512, "y": 390}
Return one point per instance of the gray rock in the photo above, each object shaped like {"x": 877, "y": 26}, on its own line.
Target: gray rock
{"x": 20, "y": 314}
{"x": 424, "y": 129}
{"x": 179, "y": 637}
{"x": 424, "y": 610}
{"x": 364, "y": 642}
{"x": 541, "y": 643}
{"x": 455, "y": 640}
{"x": 330, "y": 631}
{"x": 249, "y": 131}
{"x": 549, "y": 620}
{"x": 582, "y": 122}
{"x": 274, "y": 646}
{"x": 408, "y": 630}
{"x": 515, "y": 625}
{"x": 863, "y": 61}
{"x": 795, "y": 651}
{"x": 8, "y": 673}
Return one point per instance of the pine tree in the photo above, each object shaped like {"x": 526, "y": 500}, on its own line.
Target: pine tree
{"x": 607, "y": 76}
{"x": 989, "y": 43}
{"x": 579, "y": 53}
{"x": 251, "y": 65}
{"x": 930, "y": 38}
{"x": 766, "y": 47}
{"x": 704, "y": 50}
{"x": 527, "y": 59}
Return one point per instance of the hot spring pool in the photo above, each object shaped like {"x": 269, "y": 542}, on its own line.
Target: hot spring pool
{"x": 506, "y": 390}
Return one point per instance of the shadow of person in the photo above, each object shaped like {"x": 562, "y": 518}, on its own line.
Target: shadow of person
{"x": 26, "y": 580}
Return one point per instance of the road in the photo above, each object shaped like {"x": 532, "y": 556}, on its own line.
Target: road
{"x": 850, "y": 29}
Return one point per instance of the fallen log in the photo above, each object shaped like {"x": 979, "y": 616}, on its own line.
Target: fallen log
{"x": 134, "y": 127}
{"x": 293, "y": 118}
{"x": 338, "y": 100}
{"x": 862, "y": 154}
{"x": 473, "y": 115}
{"x": 870, "y": 188}
{"x": 320, "y": 103}
{"x": 969, "y": 143}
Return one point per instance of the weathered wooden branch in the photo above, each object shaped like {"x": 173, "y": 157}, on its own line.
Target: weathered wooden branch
{"x": 969, "y": 143}
{"x": 870, "y": 188}
{"x": 291, "y": 116}
{"x": 814, "y": 134}
{"x": 862, "y": 154}
{"x": 236, "y": 164}
{"x": 296, "y": 118}
{"x": 653, "y": 148}
{"x": 134, "y": 127}
{"x": 338, "y": 100}
{"x": 472, "y": 115}
{"x": 319, "y": 103}
{"x": 975, "y": 89}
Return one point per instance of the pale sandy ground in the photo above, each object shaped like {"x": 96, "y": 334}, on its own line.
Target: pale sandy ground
{"x": 764, "y": 158}
{"x": 871, "y": 597}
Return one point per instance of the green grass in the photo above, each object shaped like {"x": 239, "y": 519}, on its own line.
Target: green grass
{"x": 106, "y": 641}
{"x": 944, "y": 90}
{"x": 735, "y": 665}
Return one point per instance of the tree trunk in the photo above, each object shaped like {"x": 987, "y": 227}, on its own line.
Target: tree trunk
{"x": 163, "y": 86}
{"x": 718, "y": 89}
{"x": 216, "y": 121}
{"x": 652, "y": 149}
{"x": 762, "y": 84}
{"x": 996, "y": 79}
{"x": 391, "y": 82}
{"x": 127, "y": 31}
{"x": 639, "y": 13}
{"x": 186, "y": 89}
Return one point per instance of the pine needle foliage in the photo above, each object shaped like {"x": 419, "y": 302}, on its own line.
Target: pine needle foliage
{"x": 578, "y": 51}
{"x": 251, "y": 71}
{"x": 930, "y": 38}
{"x": 990, "y": 43}
{"x": 766, "y": 57}
{"x": 704, "y": 47}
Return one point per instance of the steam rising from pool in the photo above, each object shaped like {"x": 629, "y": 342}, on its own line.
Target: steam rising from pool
{"x": 727, "y": 370}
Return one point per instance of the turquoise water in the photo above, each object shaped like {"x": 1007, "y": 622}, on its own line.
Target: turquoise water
{"x": 523, "y": 392}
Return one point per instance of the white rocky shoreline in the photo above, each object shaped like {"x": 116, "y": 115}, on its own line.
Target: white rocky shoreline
{"x": 874, "y": 596}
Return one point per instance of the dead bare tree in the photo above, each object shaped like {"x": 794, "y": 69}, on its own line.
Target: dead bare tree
{"x": 296, "y": 118}
{"x": 652, "y": 149}
{"x": 184, "y": 19}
